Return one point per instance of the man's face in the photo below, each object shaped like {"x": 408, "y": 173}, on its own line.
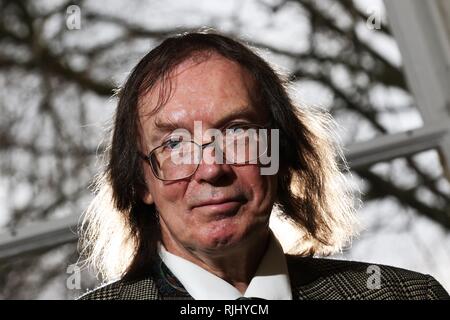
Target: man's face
{"x": 216, "y": 92}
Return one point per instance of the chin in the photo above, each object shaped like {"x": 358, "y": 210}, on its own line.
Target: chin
{"x": 221, "y": 236}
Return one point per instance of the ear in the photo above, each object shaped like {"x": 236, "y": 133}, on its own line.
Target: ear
{"x": 147, "y": 197}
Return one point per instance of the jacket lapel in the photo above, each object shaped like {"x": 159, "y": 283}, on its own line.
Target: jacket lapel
{"x": 160, "y": 284}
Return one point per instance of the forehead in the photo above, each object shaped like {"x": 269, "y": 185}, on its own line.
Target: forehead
{"x": 205, "y": 88}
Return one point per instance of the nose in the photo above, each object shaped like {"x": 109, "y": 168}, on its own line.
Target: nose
{"x": 209, "y": 170}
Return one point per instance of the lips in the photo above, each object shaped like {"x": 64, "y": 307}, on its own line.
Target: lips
{"x": 220, "y": 204}
{"x": 218, "y": 201}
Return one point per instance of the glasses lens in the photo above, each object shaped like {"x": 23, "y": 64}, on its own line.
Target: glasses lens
{"x": 176, "y": 160}
{"x": 180, "y": 159}
{"x": 244, "y": 145}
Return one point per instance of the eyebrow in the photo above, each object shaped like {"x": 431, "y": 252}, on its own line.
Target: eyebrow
{"x": 165, "y": 125}
{"x": 168, "y": 125}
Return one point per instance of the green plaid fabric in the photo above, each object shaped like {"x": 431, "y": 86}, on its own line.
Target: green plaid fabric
{"x": 311, "y": 279}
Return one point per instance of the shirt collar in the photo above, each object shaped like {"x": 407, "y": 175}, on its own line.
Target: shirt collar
{"x": 271, "y": 280}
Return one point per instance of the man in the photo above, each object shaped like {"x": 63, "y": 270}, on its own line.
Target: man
{"x": 183, "y": 213}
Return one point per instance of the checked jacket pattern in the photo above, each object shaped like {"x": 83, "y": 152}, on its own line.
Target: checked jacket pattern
{"x": 311, "y": 279}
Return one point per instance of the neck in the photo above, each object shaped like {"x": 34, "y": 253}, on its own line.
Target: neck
{"x": 237, "y": 265}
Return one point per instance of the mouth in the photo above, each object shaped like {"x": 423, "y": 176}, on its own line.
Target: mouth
{"x": 221, "y": 206}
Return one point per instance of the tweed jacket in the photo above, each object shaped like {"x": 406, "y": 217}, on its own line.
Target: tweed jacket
{"x": 311, "y": 279}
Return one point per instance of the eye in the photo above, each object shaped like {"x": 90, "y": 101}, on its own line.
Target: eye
{"x": 237, "y": 127}
{"x": 173, "y": 143}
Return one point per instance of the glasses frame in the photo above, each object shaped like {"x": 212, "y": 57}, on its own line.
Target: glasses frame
{"x": 148, "y": 157}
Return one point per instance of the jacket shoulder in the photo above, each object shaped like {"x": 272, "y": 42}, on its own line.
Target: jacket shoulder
{"x": 108, "y": 291}
{"x": 140, "y": 289}
{"x": 361, "y": 280}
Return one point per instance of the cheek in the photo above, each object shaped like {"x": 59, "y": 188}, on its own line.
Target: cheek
{"x": 165, "y": 194}
{"x": 261, "y": 190}
{"x": 173, "y": 192}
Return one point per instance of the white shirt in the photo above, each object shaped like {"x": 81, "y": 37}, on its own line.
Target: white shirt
{"x": 271, "y": 280}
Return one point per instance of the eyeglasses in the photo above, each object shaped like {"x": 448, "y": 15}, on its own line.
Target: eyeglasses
{"x": 178, "y": 159}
